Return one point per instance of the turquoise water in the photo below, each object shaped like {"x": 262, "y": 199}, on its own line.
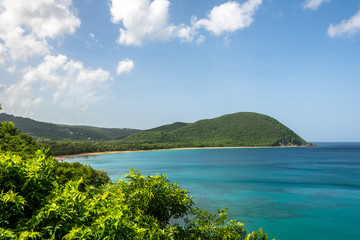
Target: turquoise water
{"x": 292, "y": 193}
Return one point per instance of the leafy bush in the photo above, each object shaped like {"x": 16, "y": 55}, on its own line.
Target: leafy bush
{"x": 65, "y": 172}
{"x": 34, "y": 205}
{"x": 24, "y": 184}
{"x": 12, "y": 139}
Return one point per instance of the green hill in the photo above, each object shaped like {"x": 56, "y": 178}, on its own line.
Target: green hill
{"x": 57, "y": 132}
{"x": 238, "y": 129}
{"x": 169, "y": 127}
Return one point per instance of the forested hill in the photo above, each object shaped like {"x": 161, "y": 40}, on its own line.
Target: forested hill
{"x": 57, "y": 132}
{"x": 238, "y": 129}
{"x": 169, "y": 127}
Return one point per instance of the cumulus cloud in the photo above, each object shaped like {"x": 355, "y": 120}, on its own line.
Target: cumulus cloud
{"x": 67, "y": 82}
{"x": 26, "y": 26}
{"x": 313, "y": 4}
{"x": 229, "y": 17}
{"x": 186, "y": 33}
{"x": 145, "y": 20}
{"x": 19, "y": 98}
{"x": 346, "y": 28}
{"x": 125, "y": 66}
{"x": 142, "y": 20}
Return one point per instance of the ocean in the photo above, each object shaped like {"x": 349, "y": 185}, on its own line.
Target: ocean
{"x": 305, "y": 193}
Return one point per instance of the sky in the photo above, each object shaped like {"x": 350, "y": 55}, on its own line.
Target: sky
{"x": 144, "y": 63}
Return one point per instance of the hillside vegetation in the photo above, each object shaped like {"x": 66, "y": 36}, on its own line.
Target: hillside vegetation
{"x": 59, "y": 132}
{"x": 169, "y": 127}
{"x": 238, "y": 129}
{"x": 232, "y": 130}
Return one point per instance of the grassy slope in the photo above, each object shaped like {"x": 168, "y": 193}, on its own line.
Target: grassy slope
{"x": 41, "y": 130}
{"x": 239, "y": 129}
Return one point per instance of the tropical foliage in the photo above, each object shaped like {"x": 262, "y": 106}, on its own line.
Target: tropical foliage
{"x": 12, "y": 139}
{"x": 38, "y": 202}
{"x": 34, "y": 205}
{"x": 65, "y": 171}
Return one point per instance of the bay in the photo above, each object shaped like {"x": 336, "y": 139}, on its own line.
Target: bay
{"x": 302, "y": 193}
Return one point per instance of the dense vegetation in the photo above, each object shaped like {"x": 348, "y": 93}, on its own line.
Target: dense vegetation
{"x": 12, "y": 139}
{"x": 232, "y": 130}
{"x": 41, "y": 198}
{"x": 169, "y": 127}
{"x": 59, "y": 148}
{"x": 57, "y": 132}
{"x": 239, "y": 129}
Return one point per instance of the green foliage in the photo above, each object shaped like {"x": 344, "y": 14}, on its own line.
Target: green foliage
{"x": 75, "y": 171}
{"x": 232, "y": 130}
{"x": 169, "y": 127}
{"x": 67, "y": 147}
{"x": 33, "y": 205}
{"x": 49, "y": 131}
{"x": 204, "y": 225}
{"x": 12, "y": 139}
{"x": 156, "y": 196}
{"x": 24, "y": 184}
{"x": 239, "y": 129}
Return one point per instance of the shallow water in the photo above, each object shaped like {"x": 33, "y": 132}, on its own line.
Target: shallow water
{"x": 292, "y": 193}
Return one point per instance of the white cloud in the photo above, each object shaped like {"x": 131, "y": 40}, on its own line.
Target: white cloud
{"x": 25, "y": 26}
{"x": 186, "y": 33}
{"x": 125, "y": 66}
{"x": 346, "y": 28}
{"x": 19, "y": 97}
{"x": 146, "y": 20}
{"x": 229, "y": 17}
{"x": 62, "y": 81}
{"x": 313, "y": 4}
{"x": 142, "y": 20}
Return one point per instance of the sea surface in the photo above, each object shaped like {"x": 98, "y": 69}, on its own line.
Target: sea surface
{"x": 307, "y": 193}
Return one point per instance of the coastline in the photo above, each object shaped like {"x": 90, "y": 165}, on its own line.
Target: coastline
{"x": 175, "y": 149}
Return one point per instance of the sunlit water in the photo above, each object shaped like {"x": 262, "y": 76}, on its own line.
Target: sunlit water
{"x": 292, "y": 193}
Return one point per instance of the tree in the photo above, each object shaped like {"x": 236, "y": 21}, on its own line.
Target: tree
{"x": 12, "y": 139}
{"x": 75, "y": 171}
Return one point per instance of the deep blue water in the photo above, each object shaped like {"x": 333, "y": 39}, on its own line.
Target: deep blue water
{"x": 308, "y": 193}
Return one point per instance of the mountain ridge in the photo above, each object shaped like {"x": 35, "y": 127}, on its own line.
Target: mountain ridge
{"x": 237, "y": 129}
{"x": 62, "y": 132}
{"x": 230, "y": 130}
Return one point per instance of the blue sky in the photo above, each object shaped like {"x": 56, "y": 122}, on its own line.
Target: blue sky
{"x": 145, "y": 63}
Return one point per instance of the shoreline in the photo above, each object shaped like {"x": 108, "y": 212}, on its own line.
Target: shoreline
{"x": 151, "y": 150}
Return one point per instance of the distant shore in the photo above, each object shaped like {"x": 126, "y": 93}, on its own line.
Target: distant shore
{"x": 190, "y": 148}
